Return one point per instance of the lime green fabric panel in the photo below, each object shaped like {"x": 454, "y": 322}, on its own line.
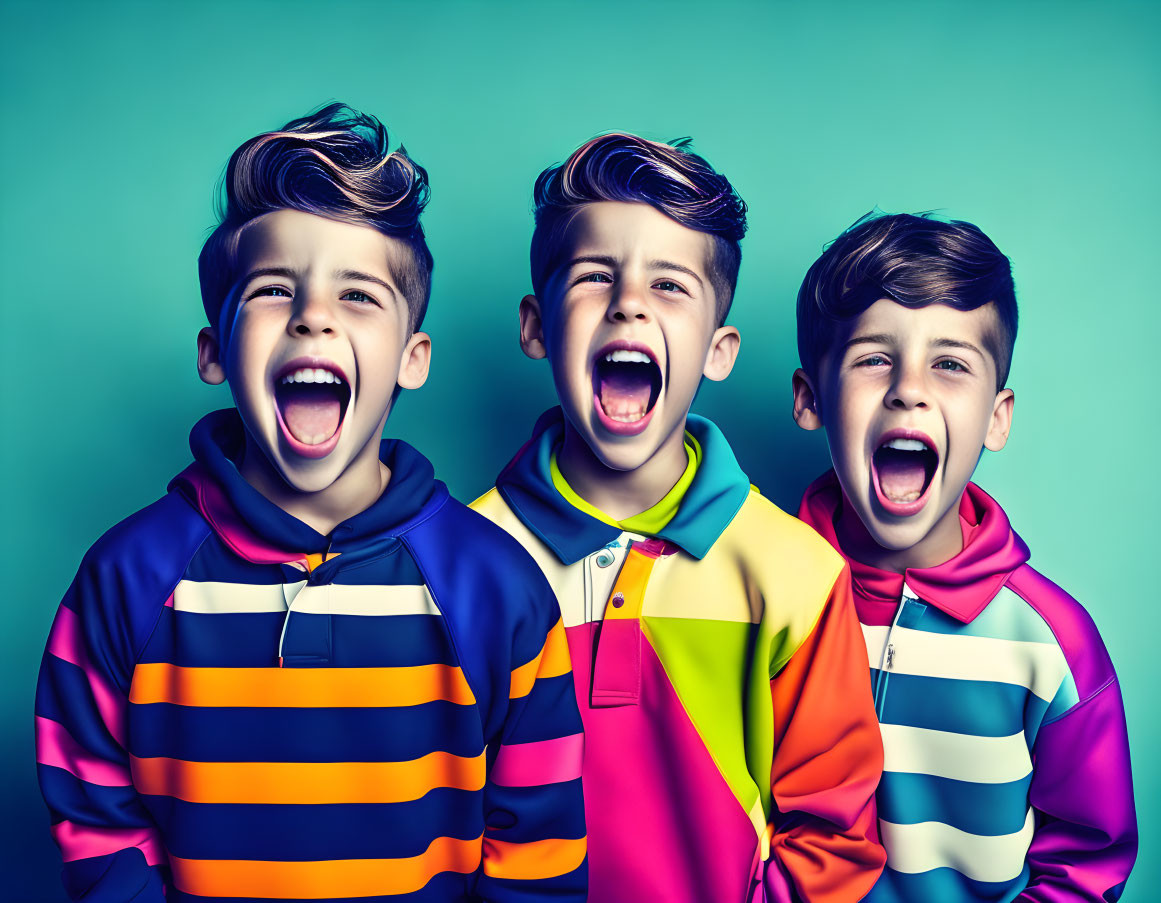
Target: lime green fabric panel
{"x": 706, "y": 662}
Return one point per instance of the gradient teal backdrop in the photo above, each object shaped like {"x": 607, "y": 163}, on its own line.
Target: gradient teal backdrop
{"x": 1040, "y": 122}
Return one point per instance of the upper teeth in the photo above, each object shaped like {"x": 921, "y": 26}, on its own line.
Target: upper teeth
{"x": 311, "y": 375}
{"x": 628, "y": 357}
{"x": 907, "y": 444}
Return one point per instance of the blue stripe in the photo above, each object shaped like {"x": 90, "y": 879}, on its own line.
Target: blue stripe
{"x": 546, "y": 811}
{"x": 63, "y": 695}
{"x": 251, "y": 640}
{"x": 76, "y": 800}
{"x": 984, "y": 809}
{"x": 305, "y": 735}
{"x": 569, "y": 886}
{"x": 289, "y": 833}
{"x": 548, "y": 712}
{"x": 975, "y": 707}
{"x": 446, "y": 887}
{"x": 943, "y": 885}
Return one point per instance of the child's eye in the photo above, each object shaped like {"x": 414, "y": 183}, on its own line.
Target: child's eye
{"x": 668, "y": 285}
{"x": 601, "y": 278}
{"x": 272, "y": 291}
{"x": 358, "y": 297}
{"x": 875, "y": 360}
{"x": 952, "y": 366}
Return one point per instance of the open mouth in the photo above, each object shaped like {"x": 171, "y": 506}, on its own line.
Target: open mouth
{"x": 902, "y": 467}
{"x": 311, "y": 403}
{"x": 626, "y": 385}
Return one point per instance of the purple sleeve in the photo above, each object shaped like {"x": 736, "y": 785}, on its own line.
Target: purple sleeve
{"x": 1082, "y": 785}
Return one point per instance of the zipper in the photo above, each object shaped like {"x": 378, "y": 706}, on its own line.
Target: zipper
{"x": 888, "y": 661}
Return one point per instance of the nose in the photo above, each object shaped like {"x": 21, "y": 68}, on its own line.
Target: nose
{"x": 627, "y": 304}
{"x": 908, "y": 388}
{"x": 313, "y": 314}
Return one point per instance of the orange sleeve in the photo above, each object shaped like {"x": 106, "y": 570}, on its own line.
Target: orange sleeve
{"x": 828, "y": 758}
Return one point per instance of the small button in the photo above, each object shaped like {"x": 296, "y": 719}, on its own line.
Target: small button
{"x": 604, "y": 558}
{"x": 618, "y": 600}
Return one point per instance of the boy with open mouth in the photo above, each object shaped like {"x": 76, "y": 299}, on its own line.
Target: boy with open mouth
{"x": 1007, "y": 761}
{"x": 308, "y": 673}
{"x": 730, "y": 745}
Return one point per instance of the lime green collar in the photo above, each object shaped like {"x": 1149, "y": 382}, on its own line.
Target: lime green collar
{"x": 649, "y": 522}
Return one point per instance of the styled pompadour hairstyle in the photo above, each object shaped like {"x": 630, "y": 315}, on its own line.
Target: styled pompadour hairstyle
{"x": 915, "y": 261}
{"x": 669, "y": 177}
{"x": 335, "y": 163}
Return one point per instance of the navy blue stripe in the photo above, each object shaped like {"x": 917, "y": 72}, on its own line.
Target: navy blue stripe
{"x": 975, "y": 707}
{"x": 545, "y": 811}
{"x": 395, "y": 567}
{"x": 251, "y": 640}
{"x": 547, "y": 712}
{"x": 76, "y": 800}
{"x": 943, "y": 885}
{"x": 446, "y": 887}
{"x": 63, "y": 695}
{"x": 986, "y": 809}
{"x": 305, "y": 735}
{"x": 293, "y": 833}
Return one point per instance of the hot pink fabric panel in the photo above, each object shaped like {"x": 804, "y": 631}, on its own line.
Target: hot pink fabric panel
{"x": 543, "y": 762}
{"x": 82, "y": 842}
{"x": 56, "y": 747}
{"x": 662, "y": 823}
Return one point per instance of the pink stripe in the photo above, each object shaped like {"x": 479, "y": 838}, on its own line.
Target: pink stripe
{"x": 55, "y": 746}
{"x": 67, "y": 644}
{"x": 83, "y": 842}
{"x": 543, "y": 762}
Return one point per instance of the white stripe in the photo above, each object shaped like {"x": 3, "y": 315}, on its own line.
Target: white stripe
{"x": 335, "y": 599}
{"x": 931, "y": 845}
{"x": 875, "y": 636}
{"x": 1039, "y": 667}
{"x": 962, "y": 757}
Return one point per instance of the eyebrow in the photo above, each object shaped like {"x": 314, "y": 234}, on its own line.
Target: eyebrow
{"x": 289, "y": 273}
{"x": 611, "y": 263}
{"x": 885, "y": 338}
{"x": 360, "y": 276}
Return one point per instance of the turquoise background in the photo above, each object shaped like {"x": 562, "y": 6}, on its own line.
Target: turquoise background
{"x": 1039, "y": 122}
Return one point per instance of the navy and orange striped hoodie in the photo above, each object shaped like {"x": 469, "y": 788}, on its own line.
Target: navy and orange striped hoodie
{"x": 233, "y": 707}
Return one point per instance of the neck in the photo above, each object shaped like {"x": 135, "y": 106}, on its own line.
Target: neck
{"x": 356, "y": 489}
{"x": 622, "y": 493}
{"x": 942, "y": 543}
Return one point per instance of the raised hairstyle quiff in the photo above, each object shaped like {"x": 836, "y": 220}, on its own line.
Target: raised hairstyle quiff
{"x": 915, "y": 261}
{"x": 334, "y": 163}
{"x": 669, "y": 177}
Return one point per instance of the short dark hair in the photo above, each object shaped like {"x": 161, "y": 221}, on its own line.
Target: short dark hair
{"x": 334, "y": 163}
{"x": 624, "y": 167}
{"x": 914, "y": 260}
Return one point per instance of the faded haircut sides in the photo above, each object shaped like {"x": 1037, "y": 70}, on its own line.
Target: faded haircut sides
{"x": 914, "y": 260}
{"x": 335, "y": 163}
{"x": 669, "y": 177}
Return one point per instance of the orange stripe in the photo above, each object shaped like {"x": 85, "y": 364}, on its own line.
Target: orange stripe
{"x": 299, "y": 687}
{"x": 551, "y": 661}
{"x": 303, "y": 783}
{"x": 324, "y": 880}
{"x": 533, "y": 861}
{"x": 630, "y": 587}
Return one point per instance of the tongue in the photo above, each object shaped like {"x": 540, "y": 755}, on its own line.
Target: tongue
{"x": 901, "y": 476}
{"x": 311, "y": 413}
{"x": 624, "y": 394}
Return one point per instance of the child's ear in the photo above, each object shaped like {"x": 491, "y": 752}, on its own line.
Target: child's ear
{"x": 1001, "y": 424}
{"x": 805, "y": 401}
{"x": 210, "y": 367}
{"x": 415, "y": 361}
{"x": 723, "y": 351}
{"x": 532, "y": 328}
